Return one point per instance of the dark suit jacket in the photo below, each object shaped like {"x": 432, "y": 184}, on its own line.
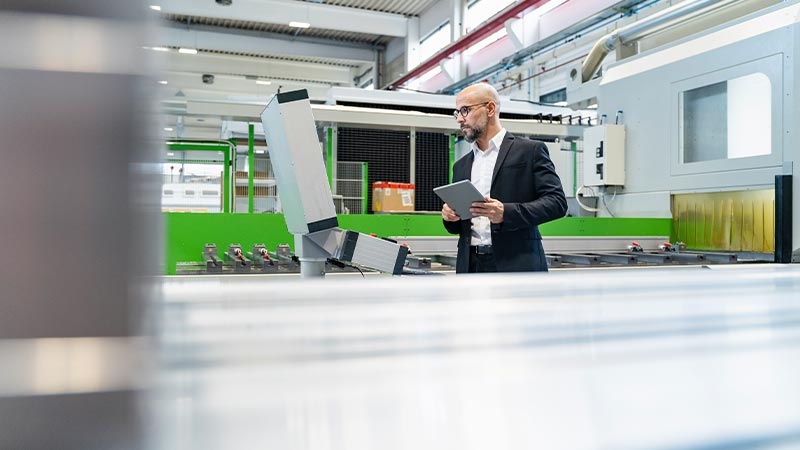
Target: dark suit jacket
{"x": 525, "y": 180}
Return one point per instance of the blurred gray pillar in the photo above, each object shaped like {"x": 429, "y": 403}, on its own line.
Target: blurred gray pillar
{"x": 79, "y": 224}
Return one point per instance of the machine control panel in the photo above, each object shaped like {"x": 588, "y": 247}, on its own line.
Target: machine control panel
{"x": 604, "y": 155}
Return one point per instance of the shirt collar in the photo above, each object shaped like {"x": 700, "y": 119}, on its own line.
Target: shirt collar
{"x": 494, "y": 143}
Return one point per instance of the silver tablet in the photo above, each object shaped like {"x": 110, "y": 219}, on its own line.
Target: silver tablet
{"x": 459, "y": 196}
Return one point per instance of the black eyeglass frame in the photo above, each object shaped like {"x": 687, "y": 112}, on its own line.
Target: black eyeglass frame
{"x": 466, "y": 109}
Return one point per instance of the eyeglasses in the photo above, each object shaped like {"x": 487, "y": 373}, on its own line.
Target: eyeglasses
{"x": 464, "y": 110}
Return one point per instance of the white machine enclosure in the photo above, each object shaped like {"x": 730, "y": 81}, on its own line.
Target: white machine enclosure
{"x": 604, "y": 155}
{"x": 650, "y": 89}
{"x": 298, "y": 163}
{"x": 361, "y": 249}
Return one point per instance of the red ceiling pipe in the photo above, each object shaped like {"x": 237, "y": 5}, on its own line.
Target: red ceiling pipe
{"x": 466, "y": 41}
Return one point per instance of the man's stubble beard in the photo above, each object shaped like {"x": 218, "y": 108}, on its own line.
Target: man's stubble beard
{"x": 477, "y": 131}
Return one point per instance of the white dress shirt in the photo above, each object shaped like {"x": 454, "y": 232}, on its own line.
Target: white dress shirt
{"x": 481, "y": 176}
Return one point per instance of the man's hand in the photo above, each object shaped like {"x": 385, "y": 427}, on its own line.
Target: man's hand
{"x": 492, "y": 208}
{"x": 449, "y": 215}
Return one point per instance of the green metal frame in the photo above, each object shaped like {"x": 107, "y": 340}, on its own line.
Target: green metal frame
{"x": 251, "y": 168}
{"x": 452, "y": 158}
{"x": 187, "y": 233}
{"x": 364, "y": 187}
{"x": 227, "y": 151}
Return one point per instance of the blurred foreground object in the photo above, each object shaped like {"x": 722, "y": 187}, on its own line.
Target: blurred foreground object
{"x": 80, "y": 224}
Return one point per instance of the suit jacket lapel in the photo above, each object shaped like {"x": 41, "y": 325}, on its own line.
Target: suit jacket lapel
{"x": 508, "y": 140}
{"x": 467, "y": 168}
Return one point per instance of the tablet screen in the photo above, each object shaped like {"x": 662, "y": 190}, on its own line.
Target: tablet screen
{"x": 460, "y": 196}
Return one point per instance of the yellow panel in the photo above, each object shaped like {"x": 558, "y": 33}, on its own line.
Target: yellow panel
{"x": 748, "y": 217}
{"x": 735, "y": 221}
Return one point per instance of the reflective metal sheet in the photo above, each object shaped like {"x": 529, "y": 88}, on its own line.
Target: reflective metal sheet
{"x": 637, "y": 358}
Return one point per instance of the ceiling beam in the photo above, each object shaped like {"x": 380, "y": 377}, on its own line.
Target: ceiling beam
{"x": 384, "y": 118}
{"x": 269, "y": 69}
{"x": 217, "y": 41}
{"x": 229, "y": 87}
{"x": 284, "y": 11}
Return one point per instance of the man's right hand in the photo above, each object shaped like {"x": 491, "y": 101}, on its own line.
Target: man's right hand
{"x": 449, "y": 215}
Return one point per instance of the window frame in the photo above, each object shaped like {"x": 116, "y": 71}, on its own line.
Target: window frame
{"x": 772, "y": 67}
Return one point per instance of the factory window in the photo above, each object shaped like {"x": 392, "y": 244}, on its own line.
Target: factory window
{"x": 434, "y": 41}
{"x": 169, "y": 192}
{"x": 480, "y": 11}
{"x": 727, "y": 120}
{"x": 188, "y": 193}
{"x": 554, "y": 97}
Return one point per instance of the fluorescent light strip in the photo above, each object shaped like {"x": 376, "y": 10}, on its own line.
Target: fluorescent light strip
{"x": 299, "y": 24}
{"x": 264, "y": 82}
{"x": 187, "y": 51}
{"x": 155, "y": 7}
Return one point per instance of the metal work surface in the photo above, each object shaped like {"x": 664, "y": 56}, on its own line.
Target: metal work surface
{"x": 647, "y": 358}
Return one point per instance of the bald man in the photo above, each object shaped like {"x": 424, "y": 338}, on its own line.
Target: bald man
{"x": 519, "y": 182}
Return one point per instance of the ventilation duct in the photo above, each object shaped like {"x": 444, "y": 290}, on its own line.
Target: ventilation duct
{"x": 645, "y": 27}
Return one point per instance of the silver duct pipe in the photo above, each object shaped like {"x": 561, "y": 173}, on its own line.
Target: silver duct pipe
{"x": 645, "y": 27}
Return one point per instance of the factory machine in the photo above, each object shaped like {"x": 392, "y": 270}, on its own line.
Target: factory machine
{"x": 703, "y": 129}
{"x": 306, "y": 196}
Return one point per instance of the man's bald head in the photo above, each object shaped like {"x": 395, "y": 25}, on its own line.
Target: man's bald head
{"x": 480, "y": 92}
{"x": 478, "y": 113}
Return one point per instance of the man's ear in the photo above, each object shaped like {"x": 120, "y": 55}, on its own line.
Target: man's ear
{"x": 492, "y": 106}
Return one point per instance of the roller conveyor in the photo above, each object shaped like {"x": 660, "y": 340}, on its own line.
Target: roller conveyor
{"x": 656, "y": 258}
{"x": 616, "y": 258}
{"x": 718, "y": 257}
{"x": 578, "y": 258}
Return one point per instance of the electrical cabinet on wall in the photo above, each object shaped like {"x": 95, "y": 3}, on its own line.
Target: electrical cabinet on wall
{"x": 604, "y": 155}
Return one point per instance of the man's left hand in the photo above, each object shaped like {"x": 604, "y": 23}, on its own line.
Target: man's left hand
{"x": 492, "y": 208}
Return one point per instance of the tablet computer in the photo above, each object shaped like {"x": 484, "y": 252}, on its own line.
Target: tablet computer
{"x": 459, "y": 196}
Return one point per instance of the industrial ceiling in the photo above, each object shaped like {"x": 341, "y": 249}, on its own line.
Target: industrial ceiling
{"x": 251, "y": 52}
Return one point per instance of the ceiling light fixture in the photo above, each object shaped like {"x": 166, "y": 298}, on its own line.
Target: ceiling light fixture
{"x": 168, "y": 128}
{"x": 155, "y": 7}
{"x": 162, "y": 82}
{"x": 294, "y": 24}
{"x": 187, "y": 51}
{"x": 160, "y": 49}
{"x": 264, "y": 82}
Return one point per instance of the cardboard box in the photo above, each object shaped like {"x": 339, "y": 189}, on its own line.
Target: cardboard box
{"x": 389, "y": 196}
